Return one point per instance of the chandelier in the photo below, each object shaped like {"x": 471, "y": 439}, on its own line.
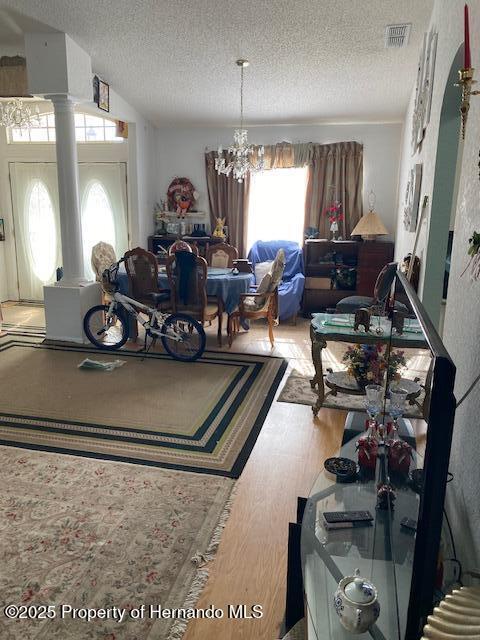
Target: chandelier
{"x": 242, "y": 154}
{"x": 16, "y": 113}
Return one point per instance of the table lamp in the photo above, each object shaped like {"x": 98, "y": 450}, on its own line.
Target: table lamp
{"x": 370, "y": 225}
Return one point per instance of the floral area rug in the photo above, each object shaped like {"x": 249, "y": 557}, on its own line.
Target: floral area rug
{"x": 99, "y": 534}
{"x": 297, "y": 390}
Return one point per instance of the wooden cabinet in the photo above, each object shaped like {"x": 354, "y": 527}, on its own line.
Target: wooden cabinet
{"x": 165, "y": 241}
{"x": 364, "y": 260}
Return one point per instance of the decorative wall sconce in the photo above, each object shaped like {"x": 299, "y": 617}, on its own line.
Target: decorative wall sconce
{"x": 465, "y": 76}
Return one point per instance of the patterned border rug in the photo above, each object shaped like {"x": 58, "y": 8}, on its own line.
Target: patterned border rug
{"x": 203, "y": 416}
{"x": 96, "y": 534}
{"x": 297, "y": 390}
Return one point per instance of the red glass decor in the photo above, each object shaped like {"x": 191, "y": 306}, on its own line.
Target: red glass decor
{"x": 367, "y": 452}
{"x": 399, "y": 454}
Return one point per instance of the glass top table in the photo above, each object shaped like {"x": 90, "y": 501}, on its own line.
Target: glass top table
{"x": 338, "y": 327}
{"x": 382, "y": 551}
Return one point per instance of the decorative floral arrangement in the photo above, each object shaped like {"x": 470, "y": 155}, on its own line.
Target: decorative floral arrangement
{"x": 368, "y": 364}
{"x": 335, "y": 215}
{"x": 474, "y": 253}
{"x": 334, "y": 212}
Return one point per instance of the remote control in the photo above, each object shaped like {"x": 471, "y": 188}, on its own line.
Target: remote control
{"x": 333, "y": 517}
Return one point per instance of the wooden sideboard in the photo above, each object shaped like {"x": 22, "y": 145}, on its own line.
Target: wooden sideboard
{"x": 323, "y": 257}
{"x": 165, "y": 241}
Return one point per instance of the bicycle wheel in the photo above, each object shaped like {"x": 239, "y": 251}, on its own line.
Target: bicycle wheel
{"x": 192, "y": 337}
{"x": 106, "y": 333}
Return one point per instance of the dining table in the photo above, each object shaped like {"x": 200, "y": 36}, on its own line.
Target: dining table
{"x": 221, "y": 282}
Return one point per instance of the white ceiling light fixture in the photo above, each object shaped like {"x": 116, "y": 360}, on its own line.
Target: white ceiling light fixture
{"x": 14, "y": 112}
{"x": 17, "y": 113}
{"x": 242, "y": 154}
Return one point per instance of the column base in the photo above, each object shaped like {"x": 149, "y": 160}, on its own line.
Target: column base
{"x": 72, "y": 282}
{"x": 65, "y": 308}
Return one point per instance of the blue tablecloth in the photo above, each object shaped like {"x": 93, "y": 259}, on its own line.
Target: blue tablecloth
{"x": 220, "y": 282}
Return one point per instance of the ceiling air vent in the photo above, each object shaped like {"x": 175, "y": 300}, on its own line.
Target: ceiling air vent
{"x": 397, "y": 35}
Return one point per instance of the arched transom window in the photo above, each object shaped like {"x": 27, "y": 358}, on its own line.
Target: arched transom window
{"x": 87, "y": 129}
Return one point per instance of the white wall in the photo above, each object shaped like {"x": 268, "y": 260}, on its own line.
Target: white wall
{"x": 462, "y": 320}
{"x": 181, "y": 153}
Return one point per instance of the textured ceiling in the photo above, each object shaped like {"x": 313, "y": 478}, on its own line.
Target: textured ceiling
{"x": 174, "y": 60}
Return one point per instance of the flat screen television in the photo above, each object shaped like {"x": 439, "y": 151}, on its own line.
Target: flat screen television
{"x": 438, "y": 414}
{"x": 402, "y": 563}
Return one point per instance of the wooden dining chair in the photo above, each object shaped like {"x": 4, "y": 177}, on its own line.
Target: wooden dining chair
{"x": 262, "y": 303}
{"x": 187, "y": 276}
{"x": 182, "y": 245}
{"x": 221, "y": 255}
{"x": 142, "y": 272}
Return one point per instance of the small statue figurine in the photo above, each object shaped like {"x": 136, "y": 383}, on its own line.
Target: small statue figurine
{"x": 398, "y": 322}
{"x": 362, "y": 317}
{"x": 385, "y": 497}
{"x": 218, "y": 232}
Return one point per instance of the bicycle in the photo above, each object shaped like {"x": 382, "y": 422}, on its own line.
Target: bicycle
{"x": 106, "y": 325}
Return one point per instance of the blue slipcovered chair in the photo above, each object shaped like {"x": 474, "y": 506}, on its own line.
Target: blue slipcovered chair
{"x": 290, "y": 290}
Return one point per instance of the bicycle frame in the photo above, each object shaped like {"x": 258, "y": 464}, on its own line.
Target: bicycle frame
{"x": 132, "y": 306}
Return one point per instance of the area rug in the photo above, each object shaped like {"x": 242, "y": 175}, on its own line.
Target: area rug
{"x": 297, "y": 390}
{"x": 94, "y": 534}
{"x": 203, "y": 416}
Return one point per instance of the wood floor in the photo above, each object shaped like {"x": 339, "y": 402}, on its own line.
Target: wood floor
{"x": 250, "y": 567}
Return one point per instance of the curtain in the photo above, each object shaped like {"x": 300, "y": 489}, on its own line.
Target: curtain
{"x": 37, "y": 218}
{"x": 336, "y": 170}
{"x": 228, "y": 199}
{"x": 37, "y": 226}
{"x": 111, "y": 176}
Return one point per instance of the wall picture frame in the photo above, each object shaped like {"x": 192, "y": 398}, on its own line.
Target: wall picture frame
{"x": 2, "y": 230}
{"x": 423, "y": 89}
{"x": 101, "y": 94}
{"x": 412, "y": 198}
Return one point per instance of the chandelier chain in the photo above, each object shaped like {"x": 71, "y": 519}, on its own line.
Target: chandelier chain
{"x": 242, "y": 157}
{"x": 241, "y": 97}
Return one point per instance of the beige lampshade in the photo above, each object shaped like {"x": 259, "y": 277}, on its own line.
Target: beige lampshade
{"x": 369, "y": 226}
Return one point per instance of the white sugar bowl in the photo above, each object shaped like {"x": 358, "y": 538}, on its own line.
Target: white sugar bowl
{"x": 356, "y": 603}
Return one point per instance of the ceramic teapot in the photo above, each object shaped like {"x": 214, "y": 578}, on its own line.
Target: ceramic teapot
{"x": 356, "y": 603}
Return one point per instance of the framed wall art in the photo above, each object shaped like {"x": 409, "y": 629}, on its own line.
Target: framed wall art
{"x": 423, "y": 89}
{"x": 101, "y": 94}
{"x": 2, "y": 230}
{"x": 412, "y": 198}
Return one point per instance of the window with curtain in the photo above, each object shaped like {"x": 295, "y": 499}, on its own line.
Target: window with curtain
{"x": 42, "y": 234}
{"x": 276, "y": 208}
{"x": 98, "y": 222}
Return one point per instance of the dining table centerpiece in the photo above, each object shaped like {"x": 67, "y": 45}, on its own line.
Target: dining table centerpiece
{"x": 368, "y": 363}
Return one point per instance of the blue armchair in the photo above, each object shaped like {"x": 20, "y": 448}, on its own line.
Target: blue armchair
{"x": 290, "y": 290}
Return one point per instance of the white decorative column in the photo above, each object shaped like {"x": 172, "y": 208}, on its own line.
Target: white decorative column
{"x": 67, "y": 169}
{"x": 61, "y": 71}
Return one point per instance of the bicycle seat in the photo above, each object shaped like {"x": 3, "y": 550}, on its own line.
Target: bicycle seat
{"x": 160, "y": 297}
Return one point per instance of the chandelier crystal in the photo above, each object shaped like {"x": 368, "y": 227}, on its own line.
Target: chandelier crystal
{"x": 16, "y": 113}
{"x": 245, "y": 158}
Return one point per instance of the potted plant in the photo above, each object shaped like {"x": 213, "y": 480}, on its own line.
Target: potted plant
{"x": 368, "y": 364}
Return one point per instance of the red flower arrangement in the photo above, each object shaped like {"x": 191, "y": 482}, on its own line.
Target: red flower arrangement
{"x": 334, "y": 212}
